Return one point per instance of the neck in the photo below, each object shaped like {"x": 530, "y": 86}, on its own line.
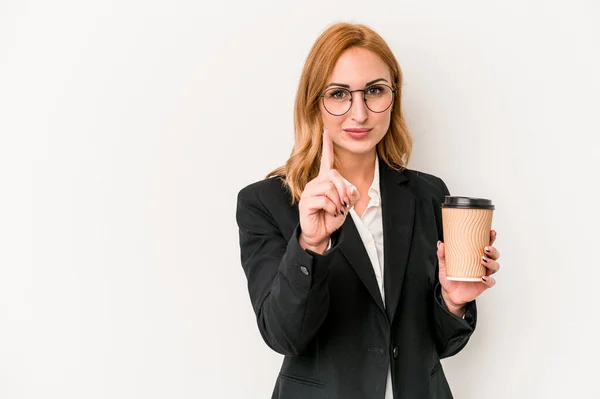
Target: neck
{"x": 358, "y": 169}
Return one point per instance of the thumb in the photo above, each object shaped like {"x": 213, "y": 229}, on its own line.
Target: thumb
{"x": 353, "y": 194}
{"x": 441, "y": 254}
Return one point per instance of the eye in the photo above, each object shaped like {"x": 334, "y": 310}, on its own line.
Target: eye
{"x": 337, "y": 94}
{"x": 374, "y": 91}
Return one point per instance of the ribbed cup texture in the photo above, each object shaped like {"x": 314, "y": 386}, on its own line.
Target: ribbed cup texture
{"x": 466, "y": 234}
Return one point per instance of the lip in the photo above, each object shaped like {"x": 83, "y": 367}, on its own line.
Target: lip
{"x": 357, "y": 133}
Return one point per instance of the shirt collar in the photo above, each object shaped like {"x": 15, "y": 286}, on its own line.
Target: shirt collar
{"x": 374, "y": 191}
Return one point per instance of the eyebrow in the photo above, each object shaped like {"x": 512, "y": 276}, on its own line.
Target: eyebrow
{"x": 348, "y": 86}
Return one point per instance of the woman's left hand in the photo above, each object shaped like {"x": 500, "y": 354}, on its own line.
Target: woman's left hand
{"x": 458, "y": 293}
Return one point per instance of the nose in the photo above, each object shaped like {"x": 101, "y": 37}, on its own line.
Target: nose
{"x": 358, "y": 108}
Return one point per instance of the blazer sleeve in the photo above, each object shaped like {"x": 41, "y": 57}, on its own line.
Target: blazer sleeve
{"x": 451, "y": 332}
{"x": 287, "y": 284}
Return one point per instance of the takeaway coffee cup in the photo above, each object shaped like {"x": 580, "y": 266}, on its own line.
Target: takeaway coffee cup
{"x": 467, "y": 223}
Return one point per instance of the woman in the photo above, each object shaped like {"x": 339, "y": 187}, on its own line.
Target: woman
{"x": 339, "y": 245}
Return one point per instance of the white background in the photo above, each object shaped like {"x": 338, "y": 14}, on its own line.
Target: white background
{"x": 128, "y": 127}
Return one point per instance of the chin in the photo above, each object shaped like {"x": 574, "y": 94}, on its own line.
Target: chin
{"x": 360, "y": 148}
{"x": 363, "y": 146}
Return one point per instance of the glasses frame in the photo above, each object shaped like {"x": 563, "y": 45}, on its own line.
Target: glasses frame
{"x": 322, "y": 96}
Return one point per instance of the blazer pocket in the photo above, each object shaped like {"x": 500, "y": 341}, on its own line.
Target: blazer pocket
{"x": 302, "y": 380}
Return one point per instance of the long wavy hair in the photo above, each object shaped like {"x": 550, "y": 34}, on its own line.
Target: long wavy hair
{"x": 304, "y": 162}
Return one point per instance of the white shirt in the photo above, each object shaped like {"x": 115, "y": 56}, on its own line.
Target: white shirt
{"x": 370, "y": 229}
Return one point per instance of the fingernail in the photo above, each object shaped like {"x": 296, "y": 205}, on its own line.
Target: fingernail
{"x": 335, "y": 215}
{"x": 484, "y": 259}
{"x": 487, "y": 249}
{"x": 353, "y": 189}
{"x": 484, "y": 279}
{"x": 342, "y": 211}
{"x": 346, "y": 202}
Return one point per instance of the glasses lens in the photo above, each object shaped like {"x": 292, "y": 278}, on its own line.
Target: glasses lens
{"x": 337, "y": 101}
{"x": 379, "y": 97}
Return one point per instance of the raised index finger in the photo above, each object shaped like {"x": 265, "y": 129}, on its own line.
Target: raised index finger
{"x": 326, "y": 153}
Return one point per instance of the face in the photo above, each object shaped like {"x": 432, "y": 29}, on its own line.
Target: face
{"x": 360, "y": 129}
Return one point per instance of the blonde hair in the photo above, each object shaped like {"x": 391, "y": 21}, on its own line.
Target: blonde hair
{"x": 304, "y": 162}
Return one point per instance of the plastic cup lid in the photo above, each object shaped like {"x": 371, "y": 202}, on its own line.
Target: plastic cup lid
{"x": 467, "y": 202}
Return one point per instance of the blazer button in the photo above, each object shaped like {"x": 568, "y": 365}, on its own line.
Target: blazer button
{"x": 395, "y": 352}
{"x": 304, "y": 270}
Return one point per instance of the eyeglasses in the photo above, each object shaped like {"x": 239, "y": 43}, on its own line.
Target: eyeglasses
{"x": 338, "y": 101}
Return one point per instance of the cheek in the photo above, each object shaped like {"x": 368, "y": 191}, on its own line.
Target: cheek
{"x": 383, "y": 120}
{"x": 330, "y": 121}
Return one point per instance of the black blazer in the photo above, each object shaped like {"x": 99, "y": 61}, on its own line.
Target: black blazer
{"x": 325, "y": 312}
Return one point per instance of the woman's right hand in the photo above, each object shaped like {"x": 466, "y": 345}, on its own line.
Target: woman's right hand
{"x": 325, "y": 202}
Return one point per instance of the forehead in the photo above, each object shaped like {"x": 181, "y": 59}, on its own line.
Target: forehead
{"x": 357, "y": 66}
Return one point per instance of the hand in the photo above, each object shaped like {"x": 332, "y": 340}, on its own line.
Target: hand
{"x": 325, "y": 202}
{"x": 457, "y": 293}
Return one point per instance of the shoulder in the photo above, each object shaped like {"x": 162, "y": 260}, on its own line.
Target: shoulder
{"x": 269, "y": 196}
{"x": 265, "y": 205}
{"x": 264, "y": 190}
{"x": 426, "y": 183}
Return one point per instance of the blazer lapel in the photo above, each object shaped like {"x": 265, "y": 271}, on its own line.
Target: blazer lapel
{"x": 354, "y": 251}
{"x": 398, "y": 210}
